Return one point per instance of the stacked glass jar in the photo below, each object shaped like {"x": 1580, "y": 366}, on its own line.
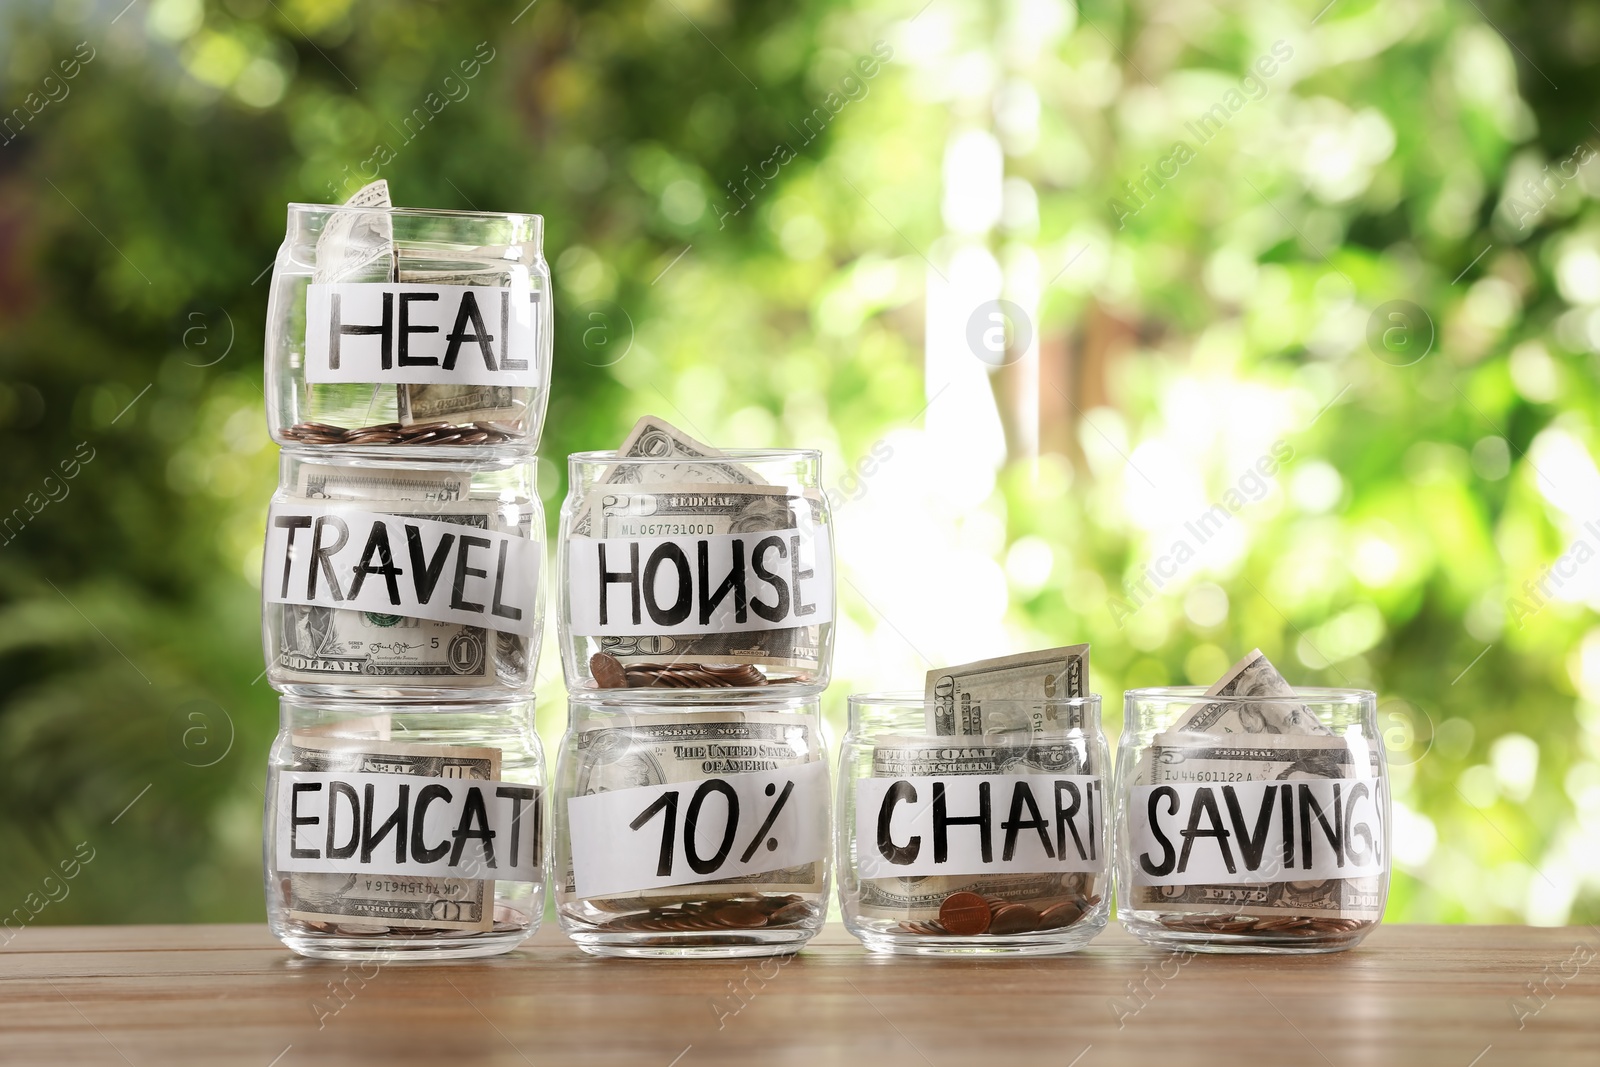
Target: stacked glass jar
{"x": 691, "y": 807}
{"x": 407, "y": 364}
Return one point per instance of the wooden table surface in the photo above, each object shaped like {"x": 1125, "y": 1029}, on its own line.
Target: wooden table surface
{"x": 212, "y": 995}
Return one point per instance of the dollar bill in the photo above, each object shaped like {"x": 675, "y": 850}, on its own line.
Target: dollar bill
{"x": 1010, "y": 694}
{"x": 1252, "y": 676}
{"x": 459, "y": 405}
{"x": 917, "y": 899}
{"x": 656, "y": 438}
{"x": 1175, "y": 758}
{"x": 375, "y": 900}
{"x": 355, "y": 245}
{"x": 617, "y": 751}
{"x": 317, "y": 644}
{"x": 659, "y": 510}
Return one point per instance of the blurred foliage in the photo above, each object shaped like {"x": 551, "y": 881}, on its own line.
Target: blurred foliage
{"x": 756, "y": 238}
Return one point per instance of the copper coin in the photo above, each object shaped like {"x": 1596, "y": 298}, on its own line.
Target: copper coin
{"x": 964, "y": 914}
{"x": 608, "y": 673}
{"x": 797, "y": 912}
{"x": 1058, "y": 915}
{"x": 740, "y": 915}
{"x": 1014, "y": 919}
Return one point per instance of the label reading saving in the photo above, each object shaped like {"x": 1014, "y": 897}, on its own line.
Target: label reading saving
{"x": 978, "y": 824}
{"x": 714, "y": 830}
{"x": 422, "y": 334}
{"x": 372, "y": 823}
{"x": 328, "y": 555}
{"x": 1304, "y": 830}
{"x": 719, "y": 583}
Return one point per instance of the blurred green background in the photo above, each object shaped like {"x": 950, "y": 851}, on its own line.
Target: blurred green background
{"x": 1200, "y": 214}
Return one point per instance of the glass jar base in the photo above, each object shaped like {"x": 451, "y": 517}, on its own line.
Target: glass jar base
{"x": 695, "y": 945}
{"x": 1217, "y": 942}
{"x": 1039, "y": 943}
{"x": 484, "y": 694}
{"x": 399, "y": 950}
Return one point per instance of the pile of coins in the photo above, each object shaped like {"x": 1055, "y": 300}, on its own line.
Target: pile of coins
{"x": 1299, "y": 925}
{"x": 969, "y": 915}
{"x": 611, "y": 673}
{"x": 726, "y": 913}
{"x": 393, "y": 433}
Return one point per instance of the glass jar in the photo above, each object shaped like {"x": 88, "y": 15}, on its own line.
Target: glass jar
{"x": 391, "y": 574}
{"x": 691, "y": 823}
{"x": 1252, "y": 824}
{"x": 404, "y": 831}
{"x": 990, "y": 844}
{"x": 684, "y": 574}
{"x": 402, "y": 326}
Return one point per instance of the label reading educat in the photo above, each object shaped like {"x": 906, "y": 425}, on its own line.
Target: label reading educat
{"x": 718, "y": 583}
{"x": 1303, "y": 830}
{"x": 371, "y": 823}
{"x": 422, "y": 334}
{"x": 979, "y": 824}
{"x": 328, "y": 555}
{"x": 711, "y": 830}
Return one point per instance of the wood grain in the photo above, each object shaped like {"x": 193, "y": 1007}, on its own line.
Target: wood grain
{"x": 232, "y": 995}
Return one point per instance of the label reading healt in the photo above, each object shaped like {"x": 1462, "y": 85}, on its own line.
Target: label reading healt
{"x": 979, "y": 824}
{"x": 329, "y": 555}
{"x": 712, "y": 830}
{"x": 377, "y": 823}
{"x": 422, "y": 334}
{"x": 717, "y": 583}
{"x": 1304, "y": 830}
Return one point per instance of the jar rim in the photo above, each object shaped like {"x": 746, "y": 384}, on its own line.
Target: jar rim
{"x": 746, "y": 455}
{"x": 422, "y": 212}
{"x": 911, "y": 698}
{"x": 1305, "y": 694}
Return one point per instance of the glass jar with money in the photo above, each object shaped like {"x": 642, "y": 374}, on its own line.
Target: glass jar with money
{"x": 403, "y": 326}
{"x": 1252, "y": 817}
{"x": 392, "y": 575}
{"x": 404, "y": 831}
{"x": 990, "y": 837}
{"x": 691, "y": 823}
{"x": 682, "y": 567}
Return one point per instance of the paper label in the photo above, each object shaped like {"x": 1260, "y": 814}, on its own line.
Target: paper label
{"x": 715, "y": 583}
{"x": 710, "y": 830}
{"x": 1304, "y": 830}
{"x": 400, "y": 332}
{"x": 329, "y": 555}
{"x": 361, "y": 822}
{"x": 979, "y": 824}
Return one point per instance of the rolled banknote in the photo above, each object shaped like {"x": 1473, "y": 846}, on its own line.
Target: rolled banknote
{"x": 1009, "y": 694}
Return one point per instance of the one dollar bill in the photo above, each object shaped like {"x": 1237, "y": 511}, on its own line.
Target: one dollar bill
{"x": 1011, "y": 694}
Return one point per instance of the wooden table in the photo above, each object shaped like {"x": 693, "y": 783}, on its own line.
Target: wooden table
{"x": 1411, "y": 995}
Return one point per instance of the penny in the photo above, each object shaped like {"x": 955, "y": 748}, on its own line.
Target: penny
{"x": 1014, "y": 919}
{"x": 797, "y": 912}
{"x": 964, "y": 914}
{"x": 740, "y": 915}
{"x": 1058, "y": 915}
{"x": 608, "y": 673}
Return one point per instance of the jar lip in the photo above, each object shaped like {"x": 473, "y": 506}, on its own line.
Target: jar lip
{"x": 746, "y": 455}
{"x": 787, "y": 697}
{"x": 909, "y": 698}
{"x": 421, "y": 212}
{"x": 1188, "y": 694}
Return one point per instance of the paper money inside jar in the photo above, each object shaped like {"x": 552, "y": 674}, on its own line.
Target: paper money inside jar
{"x": 987, "y": 832}
{"x": 691, "y": 823}
{"x": 392, "y": 575}
{"x": 404, "y": 831}
{"x": 408, "y": 327}
{"x": 684, "y": 567}
{"x": 1254, "y": 815}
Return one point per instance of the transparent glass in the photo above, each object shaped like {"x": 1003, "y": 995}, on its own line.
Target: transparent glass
{"x": 447, "y": 252}
{"x": 1048, "y": 892}
{"x": 1208, "y": 754}
{"x": 752, "y": 533}
{"x": 405, "y": 652}
{"x": 697, "y": 743}
{"x": 404, "y": 915}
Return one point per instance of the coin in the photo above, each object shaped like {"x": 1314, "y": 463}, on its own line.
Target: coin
{"x": 607, "y": 671}
{"x": 740, "y": 915}
{"x": 1058, "y": 915}
{"x": 1014, "y": 919}
{"x": 964, "y": 914}
{"x": 797, "y": 912}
